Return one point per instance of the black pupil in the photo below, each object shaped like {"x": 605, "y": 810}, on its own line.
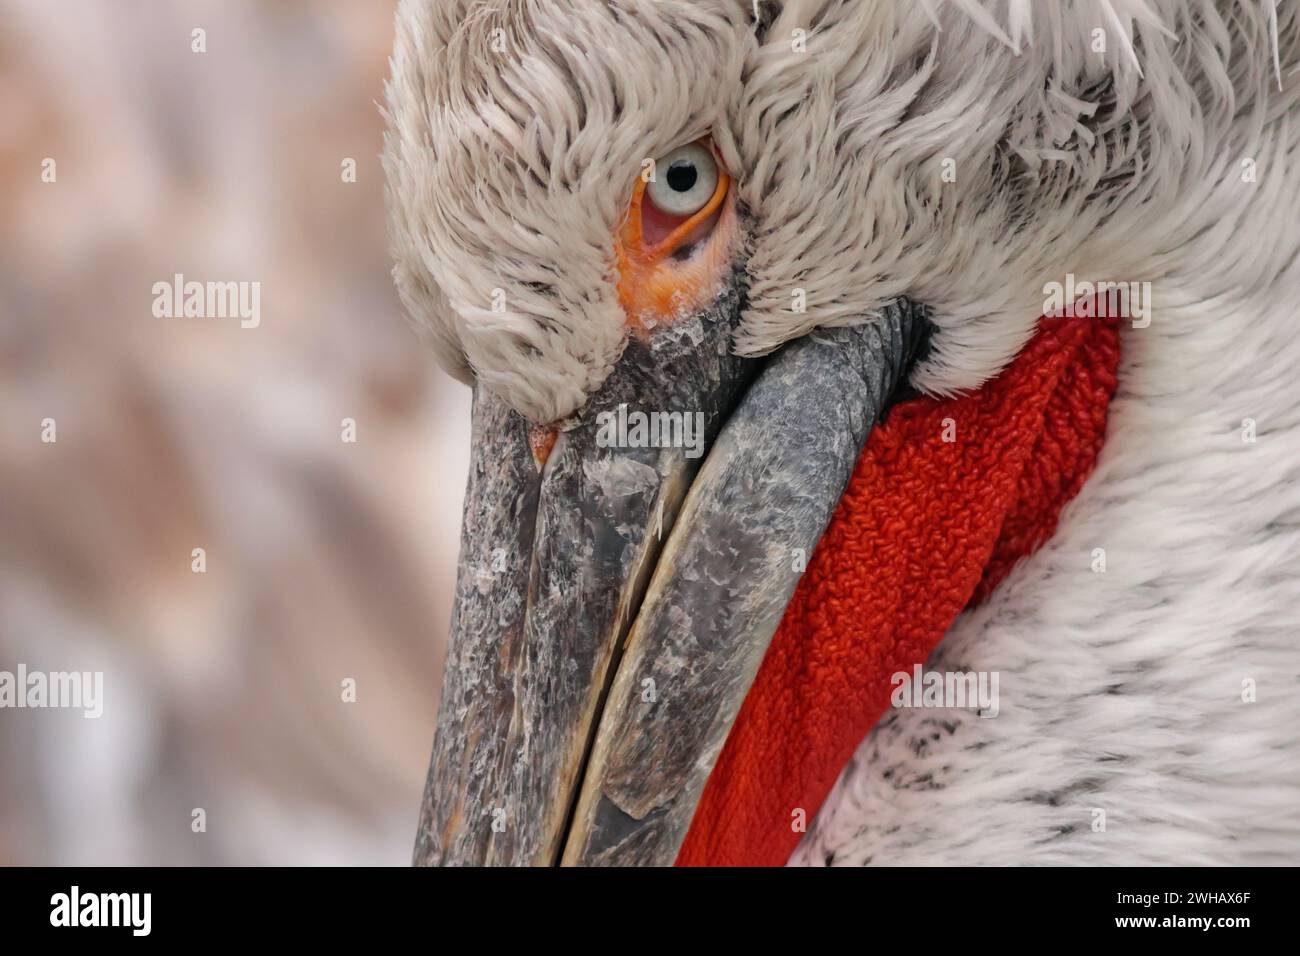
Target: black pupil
{"x": 682, "y": 176}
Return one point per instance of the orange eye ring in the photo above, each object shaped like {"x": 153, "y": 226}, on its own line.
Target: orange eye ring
{"x": 656, "y": 282}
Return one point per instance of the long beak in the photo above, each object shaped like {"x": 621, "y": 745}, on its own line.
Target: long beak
{"x": 613, "y": 608}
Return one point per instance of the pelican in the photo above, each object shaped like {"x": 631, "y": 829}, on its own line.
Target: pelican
{"x": 984, "y": 316}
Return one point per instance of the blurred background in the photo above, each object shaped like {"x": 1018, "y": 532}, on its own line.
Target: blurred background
{"x": 326, "y": 560}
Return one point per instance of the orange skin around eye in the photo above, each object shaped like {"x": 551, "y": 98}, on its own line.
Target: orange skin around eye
{"x": 654, "y": 287}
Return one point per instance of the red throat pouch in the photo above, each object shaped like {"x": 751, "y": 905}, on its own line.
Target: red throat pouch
{"x": 947, "y": 496}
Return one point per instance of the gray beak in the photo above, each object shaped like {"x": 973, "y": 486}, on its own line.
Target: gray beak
{"x": 612, "y": 609}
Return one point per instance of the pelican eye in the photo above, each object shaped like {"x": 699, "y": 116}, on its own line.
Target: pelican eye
{"x": 684, "y": 181}
{"x": 675, "y": 247}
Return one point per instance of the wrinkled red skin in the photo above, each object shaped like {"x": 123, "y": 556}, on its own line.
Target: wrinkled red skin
{"x": 926, "y": 528}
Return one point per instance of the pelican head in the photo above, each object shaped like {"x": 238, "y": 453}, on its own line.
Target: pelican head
{"x": 693, "y": 255}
